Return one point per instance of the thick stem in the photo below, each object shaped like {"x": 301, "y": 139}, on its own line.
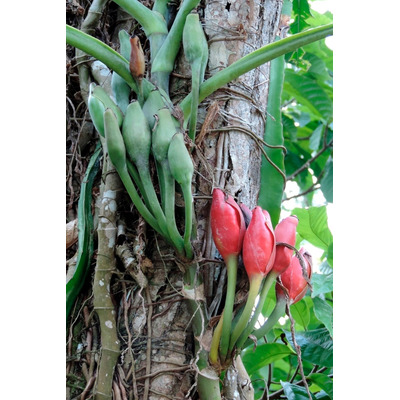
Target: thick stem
{"x": 102, "y": 302}
{"x": 231, "y": 264}
{"x": 263, "y": 295}
{"x": 255, "y": 283}
{"x": 277, "y": 313}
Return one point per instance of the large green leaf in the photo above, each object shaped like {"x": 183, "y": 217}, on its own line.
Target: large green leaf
{"x": 321, "y": 283}
{"x": 323, "y": 311}
{"x": 308, "y": 92}
{"x": 294, "y": 392}
{"x": 327, "y": 182}
{"x": 263, "y": 355}
{"x": 301, "y": 313}
{"x": 316, "y": 346}
{"x": 313, "y": 226}
{"x": 324, "y": 382}
{"x": 272, "y": 181}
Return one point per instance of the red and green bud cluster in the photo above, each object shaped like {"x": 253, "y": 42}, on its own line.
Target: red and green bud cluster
{"x": 293, "y": 278}
{"x": 236, "y": 229}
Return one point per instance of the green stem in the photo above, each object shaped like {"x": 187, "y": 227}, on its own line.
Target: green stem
{"x": 254, "y": 60}
{"x": 196, "y": 67}
{"x": 165, "y": 58}
{"x": 231, "y": 264}
{"x": 169, "y": 198}
{"x": 105, "y": 54}
{"x": 153, "y": 202}
{"x": 150, "y": 22}
{"x": 187, "y": 196}
{"x": 137, "y": 201}
{"x": 263, "y": 295}
{"x": 255, "y": 283}
{"x": 213, "y": 356}
{"x": 136, "y": 178}
{"x": 277, "y": 313}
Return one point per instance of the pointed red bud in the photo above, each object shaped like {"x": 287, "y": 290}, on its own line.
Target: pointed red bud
{"x": 259, "y": 244}
{"x": 285, "y": 232}
{"x": 227, "y": 224}
{"x": 293, "y": 279}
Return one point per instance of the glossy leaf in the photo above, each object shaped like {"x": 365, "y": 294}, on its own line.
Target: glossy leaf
{"x": 327, "y": 182}
{"x": 272, "y": 182}
{"x": 263, "y": 355}
{"x": 300, "y": 313}
{"x": 294, "y": 392}
{"x": 316, "y": 346}
{"x": 324, "y": 312}
{"x": 313, "y": 226}
{"x": 324, "y": 382}
{"x": 321, "y": 283}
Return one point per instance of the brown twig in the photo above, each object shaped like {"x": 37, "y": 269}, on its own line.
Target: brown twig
{"x": 148, "y": 349}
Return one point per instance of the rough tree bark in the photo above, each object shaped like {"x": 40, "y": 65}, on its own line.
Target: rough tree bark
{"x": 152, "y": 317}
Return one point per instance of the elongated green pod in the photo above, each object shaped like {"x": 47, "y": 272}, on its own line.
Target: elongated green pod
{"x": 162, "y": 135}
{"x": 102, "y": 95}
{"x": 152, "y": 105}
{"x": 96, "y": 110}
{"x": 181, "y": 167}
{"x": 115, "y": 142}
{"x": 193, "y": 38}
{"x": 180, "y": 163}
{"x": 136, "y": 134}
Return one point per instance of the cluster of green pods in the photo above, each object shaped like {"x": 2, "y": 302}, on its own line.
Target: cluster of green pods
{"x": 135, "y": 138}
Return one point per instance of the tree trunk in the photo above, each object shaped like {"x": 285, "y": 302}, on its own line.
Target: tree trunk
{"x": 153, "y": 320}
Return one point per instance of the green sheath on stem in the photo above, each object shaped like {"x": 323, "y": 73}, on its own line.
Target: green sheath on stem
{"x": 263, "y": 295}
{"x": 213, "y": 356}
{"x": 231, "y": 264}
{"x": 255, "y": 283}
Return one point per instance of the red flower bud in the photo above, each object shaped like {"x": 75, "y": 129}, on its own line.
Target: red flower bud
{"x": 227, "y": 224}
{"x": 259, "y": 244}
{"x": 285, "y": 232}
{"x": 293, "y": 280}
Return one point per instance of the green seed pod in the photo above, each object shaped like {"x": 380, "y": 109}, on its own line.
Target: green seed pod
{"x": 136, "y": 134}
{"x": 193, "y": 38}
{"x": 179, "y": 160}
{"x": 96, "y": 110}
{"x": 151, "y": 106}
{"x": 162, "y": 135}
{"x": 115, "y": 142}
{"x": 102, "y": 95}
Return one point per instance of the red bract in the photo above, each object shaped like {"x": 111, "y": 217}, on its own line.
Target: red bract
{"x": 227, "y": 224}
{"x": 293, "y": 280}
{"x": 259, "y": 244}
{"x": 285, "y": 232}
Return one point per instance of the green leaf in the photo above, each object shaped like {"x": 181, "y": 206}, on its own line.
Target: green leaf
{"x": 323, "y": 311}
{"x": 263, "y": 355}
{"x": 327, "y": 182}
{"x": 324, "y": 382}
{"x": 294, "y": 392}
{"x": 308, "y": 92}
{"x": 300, "y": 313}
{"x": 316, "y": 346}
{"x": 313, "y": 226}
{"x": 315, "y": 138}
{"x": 321, "y": 283}
{"x": 255, "y": 59}
{"x": 301, "y": 12}
{"x": 272, "y": 181}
